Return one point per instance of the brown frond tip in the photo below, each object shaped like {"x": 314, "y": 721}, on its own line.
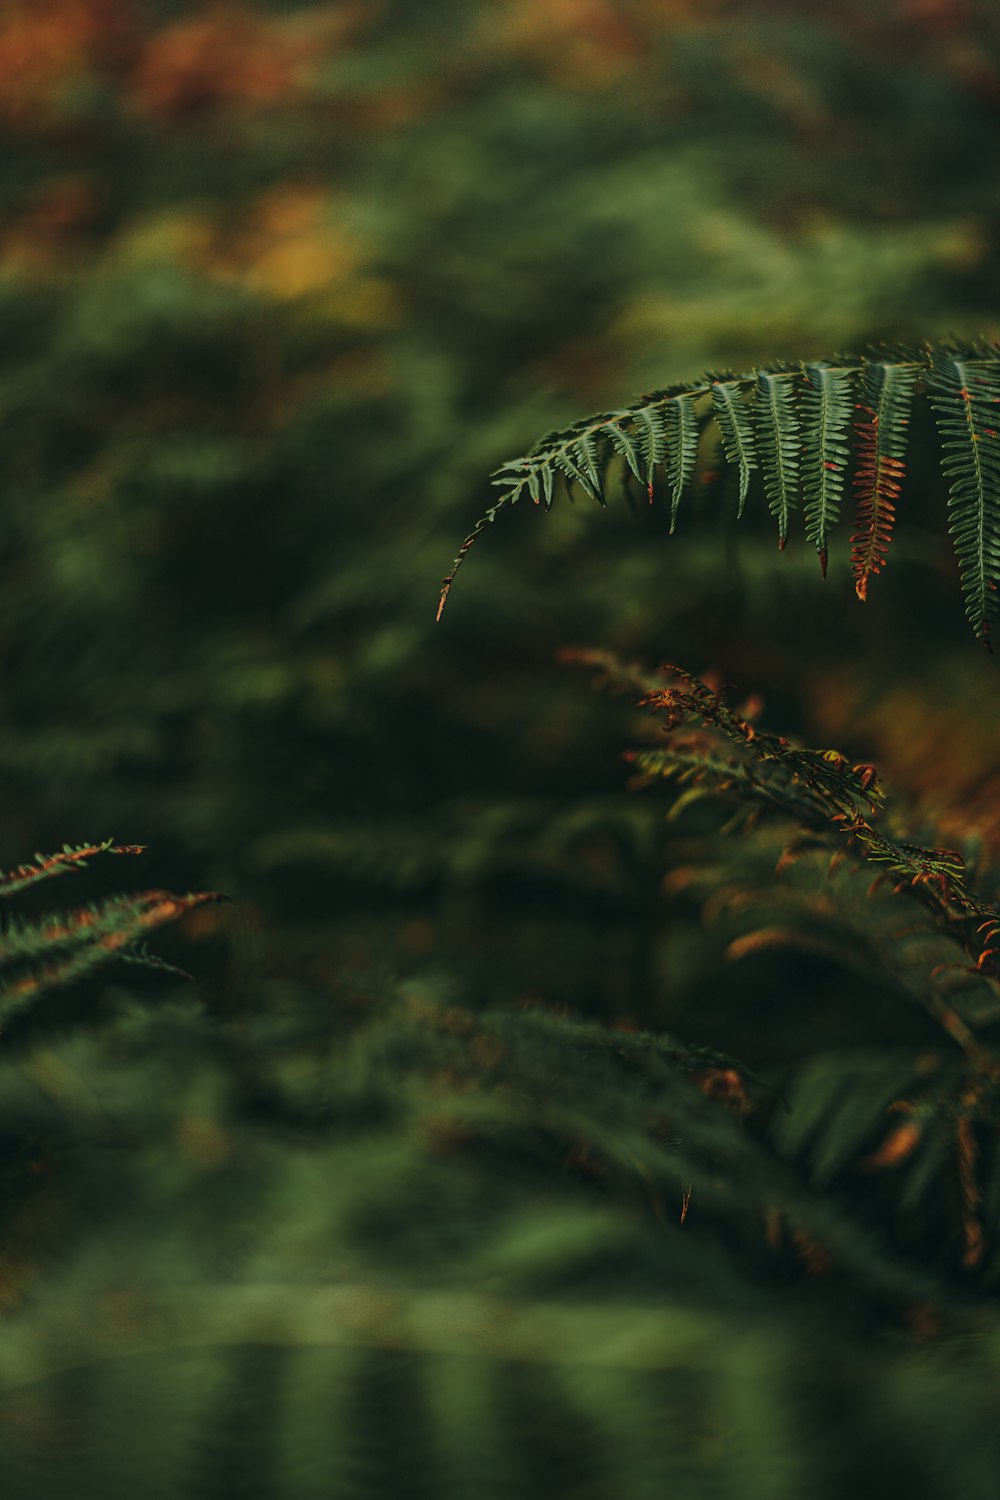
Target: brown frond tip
{"x": 877, "y": 484}
{"x": 449, "y": 578}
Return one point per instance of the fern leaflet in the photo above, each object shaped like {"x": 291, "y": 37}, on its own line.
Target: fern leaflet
{"x": 682, "y": 448}
{"x": 626, "y": 445}
{"x": 778, "y": 442}
{"x": 886, "y": 394}
{"x": 651, "y": 431}
{"x": 827, "y": 408}
{"x": 965, "y": 393}
{"x": 736, "y": 428}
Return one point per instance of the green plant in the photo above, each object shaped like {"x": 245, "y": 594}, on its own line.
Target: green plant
{"x": 837, "y": 817}
{"x": 57, "y": 949}
{"x": 807, "y": 428}
{"x": 540, "y": 1247}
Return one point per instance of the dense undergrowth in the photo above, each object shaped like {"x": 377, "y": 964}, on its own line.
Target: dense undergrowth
{"x": 534, "y": 1122}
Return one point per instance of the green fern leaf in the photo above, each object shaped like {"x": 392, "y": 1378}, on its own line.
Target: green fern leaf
{"x": 827, "y": 408}
{"x": 535, "y": 487}
{"x": 682, "y": 448}
{"x": 575, "y": 461}
{"x": 625, "y": 443}
{"x": 738, "y": 444}
{"x": 778, "y": 442}
{"x": 650, "y": 425}
{"x": 884, "y": 405}
{"x": 587, "y": 455}
{"x": 965, "y": 395}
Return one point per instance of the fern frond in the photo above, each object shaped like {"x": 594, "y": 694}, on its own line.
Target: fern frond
{"x": 965, "y": 395}
{"x": 830, "y": 800}
{"x": 69, "y": 858}
{"x": 57, "y": 950}
{"x": 732, "y": 416}
{"x": 839, "y": 1103}
{"x": 579, "y": 461}
{"x": 919, "y": 1112}
{"x": 884, "y": 407}
{"x": 827, "y": 407}
{"x": 778, "y": 442}
{"x": 796, "y": 428}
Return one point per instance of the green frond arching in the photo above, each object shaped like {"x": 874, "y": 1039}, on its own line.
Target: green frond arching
{"x": 732, "y": 415}
{"x": 884, "y": 402}
{"x": 965, "y": 395}
{"x": 778, "y": 443}
{"x": 827, "y": 404}
{"x": 803, "y": 426}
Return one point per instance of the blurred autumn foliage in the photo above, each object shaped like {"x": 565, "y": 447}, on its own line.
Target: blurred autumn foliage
{"x": 217, "y": 57}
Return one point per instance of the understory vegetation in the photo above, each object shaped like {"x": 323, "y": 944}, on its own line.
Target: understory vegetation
{"x": 552, "y": 1050}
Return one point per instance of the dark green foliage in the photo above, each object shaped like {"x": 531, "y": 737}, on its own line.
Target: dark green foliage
{"x": 510, "y": 1236}
{"x": 796, "y": 428}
